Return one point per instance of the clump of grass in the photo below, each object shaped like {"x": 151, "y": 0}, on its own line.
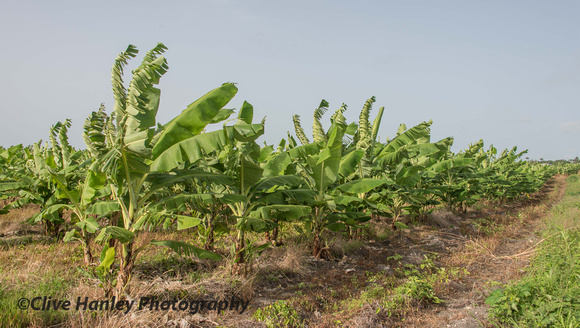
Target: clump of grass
{"x": 12, "y": 316}
{"x": 279, "y": 314}
{"x": 353, "y": 245}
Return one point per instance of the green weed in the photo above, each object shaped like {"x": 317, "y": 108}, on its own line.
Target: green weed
{"x": 12, "y": 316}
{"x": 279, "y": 314}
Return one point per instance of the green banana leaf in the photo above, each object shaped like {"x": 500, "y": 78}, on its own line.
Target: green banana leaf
{"x": 446, "y": 165}
{"x": 194, "y": 118}
{"x": 185, "y": 249}
{"x": 186, "y": 222}
{"x": 349, "y": 163}
{"x": 276, "y": 165}
{"x": 362, "y": 185}
{"x": 121, "y": 234}
{"x": 283, "y": 212}
{"x": 269, "y": 183}
{"x": 415, "y": 135}
{"x": 197, "y": 147}
{"x": 103, "y": 207}
{"x": 11, "y": 185}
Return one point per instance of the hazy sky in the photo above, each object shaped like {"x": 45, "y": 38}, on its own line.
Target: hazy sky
{"x": 504, "y": 71}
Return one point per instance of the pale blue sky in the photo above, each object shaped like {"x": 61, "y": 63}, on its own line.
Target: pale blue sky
{"x": 504, "y": 71}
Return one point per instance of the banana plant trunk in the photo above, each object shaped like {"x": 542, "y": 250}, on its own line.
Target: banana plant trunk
{"x": 273, "y": 235}
{"x": 208, "y": 246}
{"x": 88, "y": 256}
{"x": 210, "y": 227}
{"x": 239, "y": 259}
{"x": 318, "y": 251}
{"x": 125, "y": 269}
{"x": 316, "y": 245}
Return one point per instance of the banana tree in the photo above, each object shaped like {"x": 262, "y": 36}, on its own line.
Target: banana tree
{"x": 241, "y": 161}
{"x": 322, "y": 171}
{"x": 389, "y": 175}
{"x": 138, "y": 156}
{"x": 87, "y": 201}
{"x": 209, "y": 206}
{"x": 251, "y": 185}
{"x": 454, "y": 178}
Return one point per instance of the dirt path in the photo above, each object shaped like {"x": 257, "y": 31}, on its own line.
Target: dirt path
{"x": 497, "y": 258}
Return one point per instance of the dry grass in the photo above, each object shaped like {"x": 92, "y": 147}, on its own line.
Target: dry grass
{"x": 33, "y": 266}
{"x": 23, "y": 265}
{"x": 14, "y": 223}
{"x": 443, "y": 218}
{"x": 291, "y": 259}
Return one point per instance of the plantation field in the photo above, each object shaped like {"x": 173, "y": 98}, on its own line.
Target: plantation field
{"x": 170, "y": 225}
{"x": 436, "y": 273}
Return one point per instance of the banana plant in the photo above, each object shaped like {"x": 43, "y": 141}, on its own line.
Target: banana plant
{"x": 389, "y": 175}
{"x": 241, "y": 161}
{"x": 251, "y": 185}
{"x": 140, "y": 158}
{"x": 456, "y": 177}
{"x": 209, "y": 206}
{"x": 87, "y": 202}
{"x": 321, "y": 172}
{"x": 355, "y": 155}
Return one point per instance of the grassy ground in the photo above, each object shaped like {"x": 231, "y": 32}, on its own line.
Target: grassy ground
{"x": 549, "y": 294}
{"x": 427, "y": 275}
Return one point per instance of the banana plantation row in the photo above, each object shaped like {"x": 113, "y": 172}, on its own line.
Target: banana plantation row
{"x": 136, "y": 175}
